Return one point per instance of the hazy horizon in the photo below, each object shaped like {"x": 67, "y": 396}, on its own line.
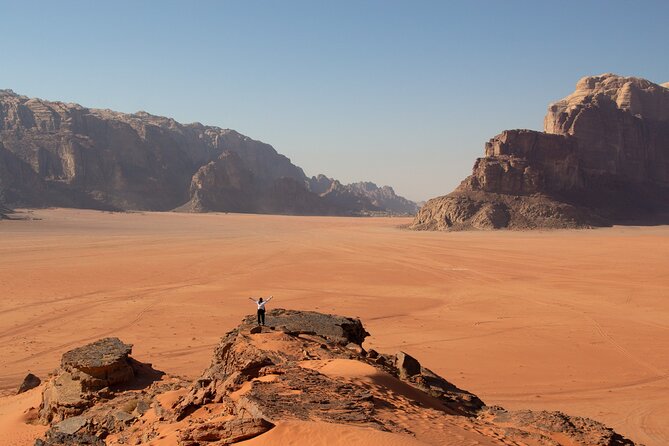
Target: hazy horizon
{"x": 397, "y": 93}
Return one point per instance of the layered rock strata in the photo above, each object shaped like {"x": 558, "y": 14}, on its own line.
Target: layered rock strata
{"x": 602, "y": 159}
{"x": 60, "y": 154}
{"x": 303, "y": 367}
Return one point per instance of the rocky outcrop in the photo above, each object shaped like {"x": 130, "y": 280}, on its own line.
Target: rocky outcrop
{"x": 87, "y": 375}
{"x": 602, "y": 159}
{"x": 59, "y": 154}
{"x": 303, "y": 366}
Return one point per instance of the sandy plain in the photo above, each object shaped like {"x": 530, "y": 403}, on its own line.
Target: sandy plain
{"x": 576, "y": 321}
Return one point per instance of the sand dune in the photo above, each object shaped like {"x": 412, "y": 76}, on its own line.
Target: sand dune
{"x": 576, "y": 321}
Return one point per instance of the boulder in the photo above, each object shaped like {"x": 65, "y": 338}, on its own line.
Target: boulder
{"x": 100, "y": 364}
{"x": 29, "y": 382}
{"x": 407, "y": 365}
{"x": 86, "y": 373}
{"x": 224, "y": 432}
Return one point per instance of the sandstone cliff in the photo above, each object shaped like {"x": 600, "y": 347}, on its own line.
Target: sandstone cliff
{"x": 306, "y": 368}
{"x": 58, "y": 154}
{"x": 602, "y": 159}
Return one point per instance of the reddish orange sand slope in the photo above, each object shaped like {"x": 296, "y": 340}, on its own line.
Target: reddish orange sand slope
{"x": 567, "y": 320}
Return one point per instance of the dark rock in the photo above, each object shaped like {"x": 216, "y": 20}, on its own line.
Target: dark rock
{"x": 29, "y": 382}
{"x": 54, "y": 438}
{"x": 407, "y": 365}
{"x": 342, "y": 330}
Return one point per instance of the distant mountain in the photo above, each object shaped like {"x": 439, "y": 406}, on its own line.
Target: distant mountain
{"x": 603, "y": 159}
{"x": 364, "y": 196}
{"x": 61, "y": 154}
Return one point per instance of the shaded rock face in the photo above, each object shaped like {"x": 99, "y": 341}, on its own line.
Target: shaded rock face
{"x": 603, "y": 159}
{"x": 291, "y": 370}
{"x": 58, "y": 154}
{"x": 29, "y": 382}
{"x": 227, "y": 185}
{"x": 4, "y": 212}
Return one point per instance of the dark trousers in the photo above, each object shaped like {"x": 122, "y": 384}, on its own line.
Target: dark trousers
{"x": 261, "y": 317}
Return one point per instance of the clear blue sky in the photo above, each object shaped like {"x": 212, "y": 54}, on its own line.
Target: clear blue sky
{"x": 403, "y": 93}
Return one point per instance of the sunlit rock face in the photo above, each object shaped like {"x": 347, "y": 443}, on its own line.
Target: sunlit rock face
{"x": 602, "y": 159}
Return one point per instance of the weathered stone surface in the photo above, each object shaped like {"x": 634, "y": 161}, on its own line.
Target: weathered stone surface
{"x": 71, "y": 425}
{"x": 225, "y": 432}
{"x": 582, "y": 431}
{"x": 55, "y": 438}
{"x": 59, "y": 154}
{"x": 603, "y": 159}
{"x": 339, "y": 329}
{"x": 29, "y": 382}
{"x": 87, "y": 374}
{"x": 100, "y": 364}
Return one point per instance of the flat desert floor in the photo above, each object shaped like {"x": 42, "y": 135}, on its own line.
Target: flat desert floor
{"x": 576, "y": 321}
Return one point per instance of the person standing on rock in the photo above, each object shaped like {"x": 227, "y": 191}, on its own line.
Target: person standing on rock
{"x": 261, "y": 308}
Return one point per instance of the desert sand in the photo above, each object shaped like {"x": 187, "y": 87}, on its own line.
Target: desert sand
{"x": 576, "y": 321}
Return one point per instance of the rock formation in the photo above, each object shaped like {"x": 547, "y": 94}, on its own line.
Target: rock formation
{"x": 58, "y": 154}
{"x": 305, "y": 366}
{"x": 362, "y": 196}
{"x": 602, "y": 159}
{"x": 29, "y": 382}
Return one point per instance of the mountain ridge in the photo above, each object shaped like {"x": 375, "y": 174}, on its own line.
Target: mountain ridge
{"x": 73, "y": 156}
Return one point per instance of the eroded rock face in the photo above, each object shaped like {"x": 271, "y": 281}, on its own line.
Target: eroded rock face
{"x": 602, "y": 159}
{"x": 59, "y": 154}
{"x": 85, "y": 376}
{"x": 299, "y": 368}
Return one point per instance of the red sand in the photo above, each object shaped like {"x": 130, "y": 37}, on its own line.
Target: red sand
{"x": 576, "y": 321}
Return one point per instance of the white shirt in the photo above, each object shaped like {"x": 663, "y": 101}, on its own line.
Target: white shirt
{"x": 261, "y": 305}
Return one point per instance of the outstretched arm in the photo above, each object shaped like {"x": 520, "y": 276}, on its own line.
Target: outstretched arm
{"x": 252, "y": 299}
{"x": 269, "y": 298}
